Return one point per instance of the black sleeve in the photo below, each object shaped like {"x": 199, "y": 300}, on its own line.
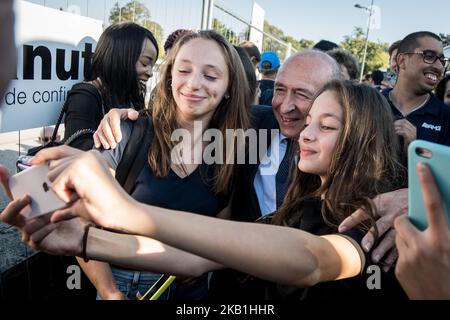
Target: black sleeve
{"x": 83, "y": 112}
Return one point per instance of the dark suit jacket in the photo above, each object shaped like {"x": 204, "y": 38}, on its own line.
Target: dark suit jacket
{"x": 228, "y": 284}
{"x": 244, "y": 203}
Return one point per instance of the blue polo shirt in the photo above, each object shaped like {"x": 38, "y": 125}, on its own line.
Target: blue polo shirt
{"x": 432, "y": 120}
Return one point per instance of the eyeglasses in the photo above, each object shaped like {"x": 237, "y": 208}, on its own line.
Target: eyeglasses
{"x": 430, "y": 57}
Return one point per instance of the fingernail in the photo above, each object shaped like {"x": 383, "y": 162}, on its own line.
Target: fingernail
{"x": 386, "y": 269}
{"x": 376, "y": 258}
{"x": 367, "y": 245}
{"x": 421, "y": 167}
{"x": 343, "y": 229}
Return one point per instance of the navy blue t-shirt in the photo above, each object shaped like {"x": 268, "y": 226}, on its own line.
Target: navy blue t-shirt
{"x": 432, "y": 120}
{"x": 267, "y": 88}
{"x": 193, "y": 193}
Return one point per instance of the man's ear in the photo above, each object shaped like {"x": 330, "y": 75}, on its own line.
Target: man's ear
{"x": 254, "y": 61}
{"x": 401, "y": 61}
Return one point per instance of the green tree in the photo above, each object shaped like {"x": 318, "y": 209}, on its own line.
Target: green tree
{"x": 377, "y": 53}
{"x": 229, "y": 34}
{"x": 299, "y": 45}
{"x": 135, "y": 11}
{"x": 306, "y": 44}
{"x": 270, "y": 44}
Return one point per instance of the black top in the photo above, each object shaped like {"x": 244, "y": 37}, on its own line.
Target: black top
{"x": 236, "y": 285}
{"x": 432, "y": 120}
{"x": 83, "y": 112}
{"x": 310, "y": 219}
{"x": 193, "y": 193}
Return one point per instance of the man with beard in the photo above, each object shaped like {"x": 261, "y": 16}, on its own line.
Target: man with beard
{"x": 418, "y": 113}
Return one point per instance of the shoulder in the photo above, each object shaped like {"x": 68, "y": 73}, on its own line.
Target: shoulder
{"x": 261, "y": 110}
{"x": 263, "y": 117}
{"x": 386, "y": 92}
{"x": 445, "y": 108}
{"x": 84, "y": 91}
{"x": 439, "y": 107}
{"x": 126, "y": 127}
{"x": 114, "y": 156}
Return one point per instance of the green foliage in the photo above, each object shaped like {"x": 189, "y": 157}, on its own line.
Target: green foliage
{"x": 269, "y": 44}
{"x": 272, "y": 45}
{"x": 229, "y": 34}
{"x": 299, "y": 45}
{"x": 377, "y": 53}
{"x": 135, "y": 11}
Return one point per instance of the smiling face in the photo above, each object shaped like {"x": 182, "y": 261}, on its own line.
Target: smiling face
{"x": 297, "y": 81}
{"x": 421, "y": 76}
{"x": 199, "y": 79}
{"x": 317, "y": 141}
{"x": 146, "y": 61}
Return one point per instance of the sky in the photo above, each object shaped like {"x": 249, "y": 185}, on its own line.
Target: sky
{"x": 333, "y": 19}
{"x": 301, "y": 19}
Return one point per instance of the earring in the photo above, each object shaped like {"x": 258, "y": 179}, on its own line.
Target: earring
{"x": 227, "y": 96}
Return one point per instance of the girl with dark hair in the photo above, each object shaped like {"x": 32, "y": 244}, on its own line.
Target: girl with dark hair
{"x": 347, "y": 156}
{"x": 250, "y": 74}
{"x": 122, "y": 63}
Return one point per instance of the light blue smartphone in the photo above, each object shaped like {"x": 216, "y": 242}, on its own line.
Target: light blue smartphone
{"x": 437, "y": 158}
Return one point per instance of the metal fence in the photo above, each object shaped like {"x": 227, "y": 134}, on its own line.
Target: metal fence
{"x": 237, "y": 29}
{"x": 169, "y": 15}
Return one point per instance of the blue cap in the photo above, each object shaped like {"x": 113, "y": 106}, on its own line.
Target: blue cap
{"x": 269, "y": 61}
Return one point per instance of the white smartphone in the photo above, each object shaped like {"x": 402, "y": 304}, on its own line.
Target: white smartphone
{"x": 34, "y": 182}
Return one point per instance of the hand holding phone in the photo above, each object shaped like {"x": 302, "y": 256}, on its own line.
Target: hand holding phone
{"x": 35, "y": 183}
{"x": 437, "y": 158}
{"x": 23, "y": 163}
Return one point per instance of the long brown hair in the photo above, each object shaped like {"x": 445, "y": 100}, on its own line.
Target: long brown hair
{"x": 364, "y": 162}
{"x": 231, "y": 113}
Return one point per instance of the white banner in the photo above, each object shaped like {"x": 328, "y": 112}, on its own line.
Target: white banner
{"x": 375, "y": 18}
{"x": 53, "y": 49}
{"x": 258, "y": 15}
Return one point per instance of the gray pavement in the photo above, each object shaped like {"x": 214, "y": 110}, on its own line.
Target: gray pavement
{"x": 12, "y": 250}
